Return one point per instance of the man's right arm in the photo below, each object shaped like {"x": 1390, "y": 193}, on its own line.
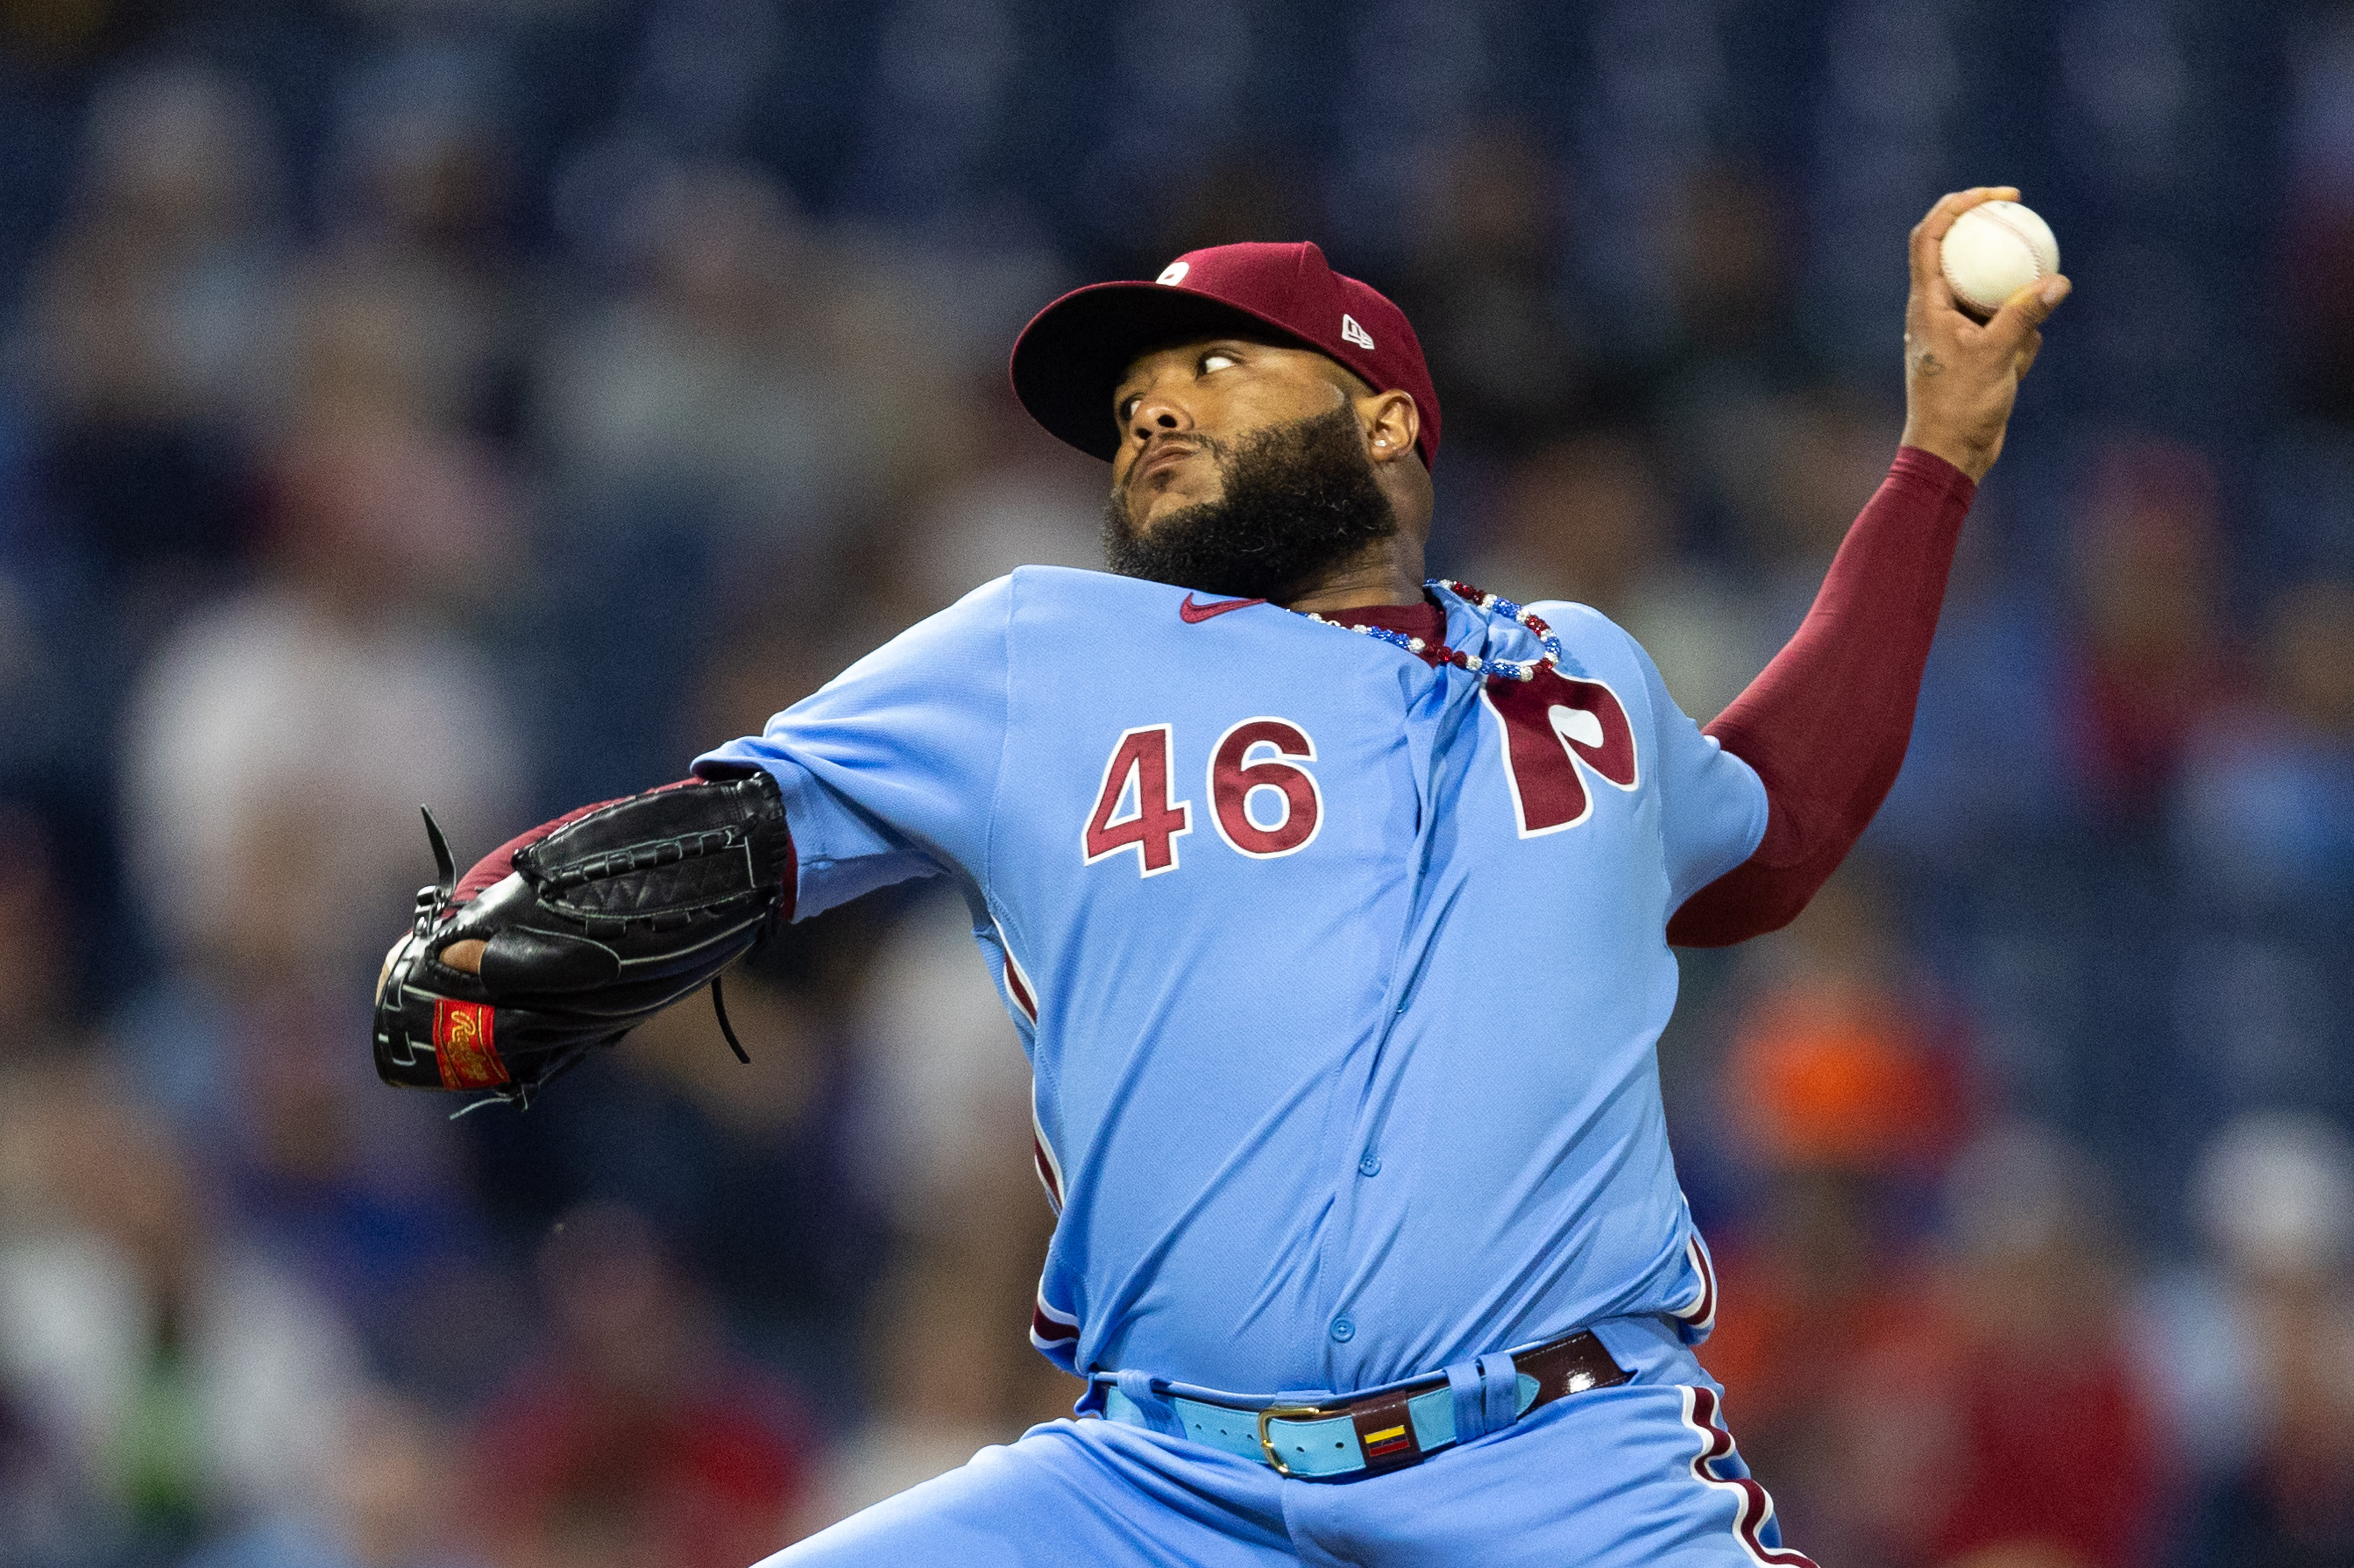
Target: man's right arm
{"x": 1825, "y": 724}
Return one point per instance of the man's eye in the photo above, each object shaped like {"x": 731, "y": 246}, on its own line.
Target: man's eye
{"x": 1218, "y": 362}
{"x": 1128, "y": 406}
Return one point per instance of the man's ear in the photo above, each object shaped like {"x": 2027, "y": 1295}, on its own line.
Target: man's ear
{"x": 1392, "y": 424}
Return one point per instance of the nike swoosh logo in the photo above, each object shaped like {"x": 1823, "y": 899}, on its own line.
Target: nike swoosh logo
{"x": 1196, "y": 613}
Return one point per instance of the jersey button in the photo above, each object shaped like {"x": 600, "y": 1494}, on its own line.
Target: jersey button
{"x": 1344, "y": 1331}
{"x": 1371, "y": 1165}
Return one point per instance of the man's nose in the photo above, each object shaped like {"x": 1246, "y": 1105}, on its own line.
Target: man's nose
{"x": 1158, "y": 415}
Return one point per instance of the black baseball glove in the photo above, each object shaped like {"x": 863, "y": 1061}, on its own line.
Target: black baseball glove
{"x": 605, "y": 920}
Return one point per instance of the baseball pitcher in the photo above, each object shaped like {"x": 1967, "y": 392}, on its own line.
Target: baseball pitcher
{"x": 1332, "y": 907}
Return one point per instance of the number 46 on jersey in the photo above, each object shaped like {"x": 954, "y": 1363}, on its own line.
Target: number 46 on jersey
{"x": 1265, "y": 803}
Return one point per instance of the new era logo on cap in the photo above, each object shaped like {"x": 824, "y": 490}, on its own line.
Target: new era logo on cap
{"x": 1070, "y": 357}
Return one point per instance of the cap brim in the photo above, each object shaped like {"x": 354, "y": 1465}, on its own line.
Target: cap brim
{"x": 1068, "y": 361}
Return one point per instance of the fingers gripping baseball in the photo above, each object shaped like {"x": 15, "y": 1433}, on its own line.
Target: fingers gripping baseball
{"x": 1961, "y": 376}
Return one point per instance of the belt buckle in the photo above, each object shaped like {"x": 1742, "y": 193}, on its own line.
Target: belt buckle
{"x": 1283, "y": 1412}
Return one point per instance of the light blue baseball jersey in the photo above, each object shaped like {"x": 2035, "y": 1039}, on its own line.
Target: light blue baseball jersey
{"x": 1340, "y": 975}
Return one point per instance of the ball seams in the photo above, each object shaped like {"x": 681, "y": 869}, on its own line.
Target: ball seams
{"x": 2000, "y": 214}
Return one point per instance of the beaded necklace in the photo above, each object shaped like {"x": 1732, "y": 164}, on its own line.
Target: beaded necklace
{"x": 1504, "y": 669}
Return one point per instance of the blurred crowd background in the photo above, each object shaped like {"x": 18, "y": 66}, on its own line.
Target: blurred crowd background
{"x": 495, "y": 402}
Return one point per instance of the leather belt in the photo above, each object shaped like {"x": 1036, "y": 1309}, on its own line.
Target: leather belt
{"x": 1394, "y": 1429}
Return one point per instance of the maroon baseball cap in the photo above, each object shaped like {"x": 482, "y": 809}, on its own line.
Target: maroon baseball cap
{"x": 1068, "y": 361}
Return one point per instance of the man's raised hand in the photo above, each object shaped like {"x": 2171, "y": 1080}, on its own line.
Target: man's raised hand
{"x": 1961, "y": 376}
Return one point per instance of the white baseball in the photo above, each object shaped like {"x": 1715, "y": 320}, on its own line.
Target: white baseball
{"x": 1993, "y": 250}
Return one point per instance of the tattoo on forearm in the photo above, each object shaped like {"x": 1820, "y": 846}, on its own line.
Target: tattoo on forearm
{"x": 1931, "y": 365}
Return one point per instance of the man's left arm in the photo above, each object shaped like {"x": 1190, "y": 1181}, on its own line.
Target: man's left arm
{"x": 1826, "y": 724}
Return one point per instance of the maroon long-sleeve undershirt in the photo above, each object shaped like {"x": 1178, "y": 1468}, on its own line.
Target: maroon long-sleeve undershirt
{"x": 1826, "y": 724}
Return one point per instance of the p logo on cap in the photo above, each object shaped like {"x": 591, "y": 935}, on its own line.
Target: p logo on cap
{"x": 1069, "y": 360}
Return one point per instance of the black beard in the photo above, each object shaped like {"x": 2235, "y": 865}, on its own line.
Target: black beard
{"x": 1300, "y": 499}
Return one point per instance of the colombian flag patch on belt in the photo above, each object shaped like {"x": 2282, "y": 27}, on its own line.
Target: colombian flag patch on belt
{"x": 463, "y": 1044}
{"x": 1387, "y": 1441}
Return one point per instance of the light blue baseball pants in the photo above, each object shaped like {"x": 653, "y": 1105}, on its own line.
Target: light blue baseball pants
{"x": 1643, "y": 1474}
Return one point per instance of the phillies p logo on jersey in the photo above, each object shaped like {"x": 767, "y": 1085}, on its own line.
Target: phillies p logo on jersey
{"x": 1552, "y": 724}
